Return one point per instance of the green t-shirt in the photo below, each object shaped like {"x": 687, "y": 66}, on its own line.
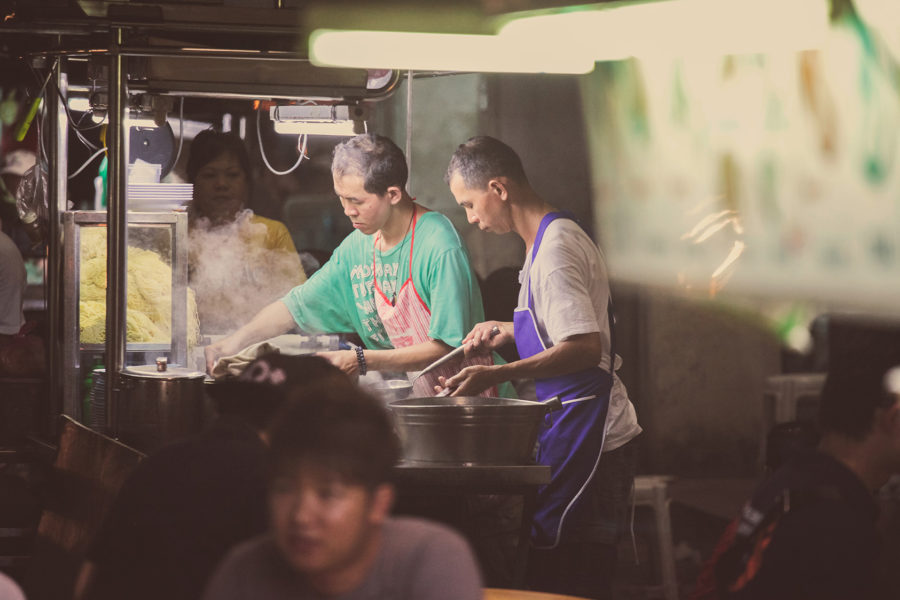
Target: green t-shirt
{"x": 339, "y": 297}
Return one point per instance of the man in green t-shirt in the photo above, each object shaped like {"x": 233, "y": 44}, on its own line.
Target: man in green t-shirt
{"x": 401, "y": 281}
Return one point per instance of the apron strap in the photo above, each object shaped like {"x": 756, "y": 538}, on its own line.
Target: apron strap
{"x": 610, "y": 312}
{"x": 412, "y": 240}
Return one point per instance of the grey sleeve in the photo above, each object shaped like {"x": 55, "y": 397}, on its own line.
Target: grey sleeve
{"x": 225, "y": 582}
{"x": 446, "y": 570}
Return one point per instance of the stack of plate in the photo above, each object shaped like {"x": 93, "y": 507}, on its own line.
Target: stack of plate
{"x": 159, "y": 197}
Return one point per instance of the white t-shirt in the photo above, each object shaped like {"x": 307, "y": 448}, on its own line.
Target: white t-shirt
{"x": 12, "y": 286}
{"x": 570, "y": 288}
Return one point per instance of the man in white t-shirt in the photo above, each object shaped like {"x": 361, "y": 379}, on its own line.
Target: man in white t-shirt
{"x": 12, "y": 288}
{"x": 563, "y": 331}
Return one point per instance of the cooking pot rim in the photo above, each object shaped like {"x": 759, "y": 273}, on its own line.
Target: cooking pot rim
{"x": 461, "y": 402}
{"x": 172, "y": 373}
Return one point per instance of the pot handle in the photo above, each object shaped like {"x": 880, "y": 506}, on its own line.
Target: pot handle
{"x": 552, "y": 404}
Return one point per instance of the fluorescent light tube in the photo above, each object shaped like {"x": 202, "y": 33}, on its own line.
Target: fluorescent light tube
{"x": 315, "y": 127}
{"x": 440, "y": 52}
{"x": 680, "y": 28}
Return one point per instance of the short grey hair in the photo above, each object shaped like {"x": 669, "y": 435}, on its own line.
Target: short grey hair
{"x": 482, "y": 158}
{"x": 373, "y": 157}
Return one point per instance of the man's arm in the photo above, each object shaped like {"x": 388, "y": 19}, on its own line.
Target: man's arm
{"x": 273, "y": 320}
{"x": 571, "y": 355}
{"x": 410, "y": 358}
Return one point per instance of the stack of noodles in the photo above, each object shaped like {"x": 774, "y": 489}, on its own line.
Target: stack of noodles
{"x": 149, "y": 315}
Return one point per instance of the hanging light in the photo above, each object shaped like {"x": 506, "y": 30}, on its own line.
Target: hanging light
{"x": 329, "y": 119}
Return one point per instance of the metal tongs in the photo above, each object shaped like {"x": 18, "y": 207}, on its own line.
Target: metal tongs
{"x": 449, "y": 356}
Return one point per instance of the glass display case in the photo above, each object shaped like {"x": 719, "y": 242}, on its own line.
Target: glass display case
{"x": 161, "y": 314}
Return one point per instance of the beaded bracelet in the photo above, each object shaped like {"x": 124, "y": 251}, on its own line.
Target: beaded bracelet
{"x": 361, "y": 360}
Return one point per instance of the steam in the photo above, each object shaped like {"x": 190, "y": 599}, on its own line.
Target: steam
{"x": 233, "y": 273}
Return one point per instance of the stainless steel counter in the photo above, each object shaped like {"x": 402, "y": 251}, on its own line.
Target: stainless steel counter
{"x": 482, "y": 479}
{"x": 441, "y": 492}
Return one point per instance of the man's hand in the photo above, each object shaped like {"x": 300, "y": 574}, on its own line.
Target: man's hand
{"x": 345, "y": 360}
{"x": 224, "y": 347}
{"x": 471, "y": 381}
{"x": 481, "y": 341}
{"x": 273, "y": 320}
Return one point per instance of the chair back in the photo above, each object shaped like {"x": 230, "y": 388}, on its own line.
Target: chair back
{"x": 88, "y": 471}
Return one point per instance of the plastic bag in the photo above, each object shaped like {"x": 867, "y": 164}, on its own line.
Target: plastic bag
{"x": 31, "y": 203}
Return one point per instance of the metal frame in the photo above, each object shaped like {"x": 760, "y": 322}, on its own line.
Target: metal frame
{"x": 260, "y": 35}
{"x": 72, "y": 346}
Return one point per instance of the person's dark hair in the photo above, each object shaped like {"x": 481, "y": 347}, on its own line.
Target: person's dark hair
{"x": 339, "y": 428}
{"x": 373, "y": 157}
{"x": 262, "y": 388}
{"x": 786, "y": 440}
{"x": 482, "y": 158}
{"x": 210, "y": 145}
{"x": 860, "y": 354}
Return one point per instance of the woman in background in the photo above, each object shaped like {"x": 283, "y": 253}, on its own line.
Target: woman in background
{"x": 239, "y": 261}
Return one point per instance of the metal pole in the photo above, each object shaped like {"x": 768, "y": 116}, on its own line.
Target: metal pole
{"x": 409, "y": 115}
{"x": 117, "y": 232}
{"x": 56, "y": 205}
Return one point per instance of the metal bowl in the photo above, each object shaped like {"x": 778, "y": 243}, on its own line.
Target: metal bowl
{"x": 393, "y": 389}
{"x": 469, "y": 430}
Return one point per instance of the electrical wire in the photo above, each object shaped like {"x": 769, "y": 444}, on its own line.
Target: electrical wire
{"x": 42, "y": 152}
{"x": 637, "y": 561}
{"x": 180, "y": 131}
{"x": 65, "y": 103}
{"x": 87, "y": 162}
{"x": 46, "y": 79}
{"x": 262, "y": 151}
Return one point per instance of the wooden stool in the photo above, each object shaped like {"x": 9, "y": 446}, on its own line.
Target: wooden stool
{"x": 653, "y": 491}
{"x": 87, "y": 473}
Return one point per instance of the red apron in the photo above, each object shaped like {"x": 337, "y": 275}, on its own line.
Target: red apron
{"x": 406, "y": 323}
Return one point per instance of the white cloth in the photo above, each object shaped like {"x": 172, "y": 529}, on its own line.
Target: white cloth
{"x": 234, "y": 365}
{"x": 570, "y": 287}
{"x": 12, "y": 286}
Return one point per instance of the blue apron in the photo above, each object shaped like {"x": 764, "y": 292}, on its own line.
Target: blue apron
{"x": 571, "y": 438}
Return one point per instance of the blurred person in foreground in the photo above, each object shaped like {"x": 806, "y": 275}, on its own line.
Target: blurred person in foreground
{"x": 331, "y": 455}
{"x": 401, "y": 281}
{"x": 9, "y": 589}
{"x": 13, "y": 279}
{"x": 809, "y": 531}
{"x": 239, "y": 261}
{"x": 186, "y": 505}
{"x": 563, "y": 331}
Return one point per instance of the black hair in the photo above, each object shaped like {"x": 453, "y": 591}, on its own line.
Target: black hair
{"x": 210, "y": 145}
{"x": 375, "y": 158}
{"x": 264, "y": 386}
{"x": 482, "y": 158}
{"x": 788, "y": 439}
{"x": 338, "y": 428}
{"x": 861, "y": 352}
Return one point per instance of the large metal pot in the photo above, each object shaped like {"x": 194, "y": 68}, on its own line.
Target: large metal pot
{"x": 159, "y": 405}
{"x": 469, "y": 430}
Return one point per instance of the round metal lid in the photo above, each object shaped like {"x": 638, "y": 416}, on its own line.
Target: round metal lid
{"x": 171, "y": 372}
